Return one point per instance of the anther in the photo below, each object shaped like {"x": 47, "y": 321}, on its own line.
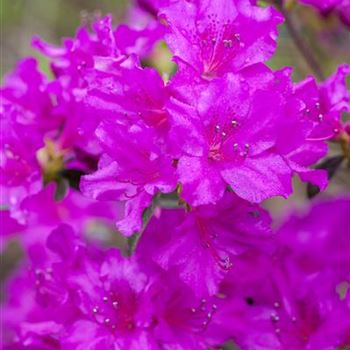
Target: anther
{"x": 227, "y": 43}
{"x": 275, "y": 318}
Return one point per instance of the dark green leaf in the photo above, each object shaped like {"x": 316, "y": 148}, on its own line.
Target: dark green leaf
{"x": 331, "y": 165}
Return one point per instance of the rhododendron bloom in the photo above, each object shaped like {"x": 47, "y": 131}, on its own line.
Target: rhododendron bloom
{"x": 40, "y": 213}
{"x": 90, "y": 298}
{"x": 325, "y": 103}
{"x": 27, "y": 116}
{"x": 138, "y": 178}
{"x": 215, "y": 37}
{"x": 134, "y": 169}
{"x": 136, "y": 163}
{"x": 292, "y": 299}
{"x": 202, "y": 244}
{"x": 236, "y": 134}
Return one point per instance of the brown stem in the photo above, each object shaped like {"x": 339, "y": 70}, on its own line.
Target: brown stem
{"x": 300, "y": 43}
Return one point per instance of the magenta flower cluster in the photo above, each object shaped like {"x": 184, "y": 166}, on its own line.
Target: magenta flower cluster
{"x": 177, "y": 167}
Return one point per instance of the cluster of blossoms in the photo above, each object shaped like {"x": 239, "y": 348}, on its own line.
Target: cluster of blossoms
{"x": 179, "y": 165}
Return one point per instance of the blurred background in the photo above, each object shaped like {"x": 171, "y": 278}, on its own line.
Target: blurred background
{"x": 50, "y": 19}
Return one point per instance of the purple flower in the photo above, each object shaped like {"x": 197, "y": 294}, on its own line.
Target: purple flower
{"x": 88, "y": 298}
{"x": 78, "y": 54}
{"x": 136, "y": 163}
{"x": 203, "y": 243}
{"x": 134, "y": 169}
{"x": 105, "y": 48}
{"x": 324, "y": 104}
{"x": 292, "y": 300}
{"x": 40, "y": 213}
{"x": 309, "y": 282}
{"x": 216, "y": 37}
{"x": 26, "y": 117}
{"x": 128, "y": 94}
{"x": 235, "y": 133}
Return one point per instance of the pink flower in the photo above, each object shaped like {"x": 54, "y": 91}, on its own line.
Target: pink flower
{"x": 134, "y": 169}
{"x": 203, "y": 243}
{"x": 40, "y": 213}
{"x": 26, "y": 117}
{"x": 216, "y": 37}
{"x": 291, "y": 301}
{"x": 235, "y": 133}
{"x": 88, "y": 298}
{"x": 324, "y": 104}
{"x": 136, "y": 163}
